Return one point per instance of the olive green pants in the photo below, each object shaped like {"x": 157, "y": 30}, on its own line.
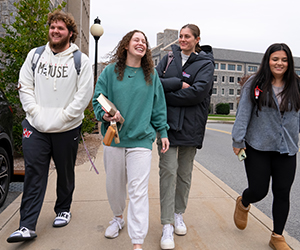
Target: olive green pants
{"x": 175, "y": 171}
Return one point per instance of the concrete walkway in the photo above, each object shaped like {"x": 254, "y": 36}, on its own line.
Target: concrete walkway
{"x": 209, "y": 217}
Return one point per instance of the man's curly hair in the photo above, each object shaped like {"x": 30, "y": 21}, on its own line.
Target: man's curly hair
{"x": 119, "y": 55}
{"x": 67, "y": 18}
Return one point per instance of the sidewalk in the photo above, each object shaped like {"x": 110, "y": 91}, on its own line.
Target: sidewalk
{"x": 209, "y": 217}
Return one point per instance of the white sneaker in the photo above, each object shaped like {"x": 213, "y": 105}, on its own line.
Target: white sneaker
{"x": 180, "y": 227}
{"x": 115, "y": 225}
{"x": 62, "y": 219}
{"x": 22, "y": 234}
{"x": 167, "y": 239}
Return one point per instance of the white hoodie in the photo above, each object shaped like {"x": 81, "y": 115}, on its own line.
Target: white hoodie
{"x": 55, "y": 100}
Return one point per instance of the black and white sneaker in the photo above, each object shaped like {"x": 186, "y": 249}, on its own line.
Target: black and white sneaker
{"x": 22, "y": 234}
{"x": 62, "y": 219}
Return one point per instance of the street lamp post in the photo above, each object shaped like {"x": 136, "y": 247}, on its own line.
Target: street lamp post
{"x": 96, "y": 31}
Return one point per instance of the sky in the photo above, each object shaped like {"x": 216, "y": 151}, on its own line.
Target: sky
{"x": 251, "y": 25}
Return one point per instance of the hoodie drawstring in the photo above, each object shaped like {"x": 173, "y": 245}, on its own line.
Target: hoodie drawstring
{"x": 55, "y": 77}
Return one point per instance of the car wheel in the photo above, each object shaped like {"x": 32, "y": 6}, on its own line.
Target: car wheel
{"x": 4, "y": 175}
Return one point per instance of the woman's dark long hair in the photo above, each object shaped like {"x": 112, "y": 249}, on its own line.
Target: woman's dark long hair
{"x": 264, "y": 77}
{"x": 119, "y": 55}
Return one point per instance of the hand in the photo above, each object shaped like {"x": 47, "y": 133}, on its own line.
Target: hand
{"x": 107, "y": 117}
{"x": 185, "y": 85}
{"x": 237, "y": 150}
{"x": 165, "y": 145}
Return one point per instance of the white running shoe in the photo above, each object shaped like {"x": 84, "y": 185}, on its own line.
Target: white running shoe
{"x": 167, "y": 238}
{"x": 116, "y": 224}
{"x": 180, "y": 227}
{"x": 62, "y": 219}
{"x": 22, "y": 234}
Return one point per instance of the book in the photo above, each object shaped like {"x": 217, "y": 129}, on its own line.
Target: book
{"x": 108, "y": 106}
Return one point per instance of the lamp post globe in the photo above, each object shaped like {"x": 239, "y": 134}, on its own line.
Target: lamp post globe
{"x": 96, "y": 31}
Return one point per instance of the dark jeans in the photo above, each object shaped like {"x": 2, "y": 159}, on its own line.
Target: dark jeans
{"x": 38, "y": 148}
{"x": 260, "y": 167}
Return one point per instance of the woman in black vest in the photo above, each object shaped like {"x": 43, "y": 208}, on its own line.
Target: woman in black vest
{"x": 187, "y": 77}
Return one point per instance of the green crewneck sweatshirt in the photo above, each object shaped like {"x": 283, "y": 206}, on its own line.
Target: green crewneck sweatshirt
{"x": 142, "y": 105}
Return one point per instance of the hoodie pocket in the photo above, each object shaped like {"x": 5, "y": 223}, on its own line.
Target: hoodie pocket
{"x": 48, "y": 120}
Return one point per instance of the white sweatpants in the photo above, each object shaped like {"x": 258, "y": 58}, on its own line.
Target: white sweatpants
{"x": 132, "y": 166}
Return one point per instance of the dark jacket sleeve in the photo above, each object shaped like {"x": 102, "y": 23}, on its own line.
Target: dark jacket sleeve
{"x": 198, "y": 91}
{"x": 169, "y": 84}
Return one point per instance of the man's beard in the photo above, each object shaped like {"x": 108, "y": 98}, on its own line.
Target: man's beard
{"x": 58, "y": 45}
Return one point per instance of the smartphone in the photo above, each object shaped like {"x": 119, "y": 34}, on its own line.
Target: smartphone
{"x": 242, "y": 155}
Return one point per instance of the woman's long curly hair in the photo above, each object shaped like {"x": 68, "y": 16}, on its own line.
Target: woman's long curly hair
{"x": 264, "y": 77}
{"x": 119, "y": 56}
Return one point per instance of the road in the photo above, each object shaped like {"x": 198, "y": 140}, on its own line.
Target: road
{"x": 217, "y": 156}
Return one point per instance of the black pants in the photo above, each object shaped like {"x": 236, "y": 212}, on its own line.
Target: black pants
{"x": 38, "y": 148}
{"x": 260, "y": 167}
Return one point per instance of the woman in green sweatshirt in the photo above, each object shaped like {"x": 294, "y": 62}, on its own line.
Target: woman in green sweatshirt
{"x": 133, "y": 85}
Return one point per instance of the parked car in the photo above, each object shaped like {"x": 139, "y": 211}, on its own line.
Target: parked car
{"x": 6, "y": 146}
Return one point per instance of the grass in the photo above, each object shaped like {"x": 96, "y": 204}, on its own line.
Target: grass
{"x": 221, "y": 117}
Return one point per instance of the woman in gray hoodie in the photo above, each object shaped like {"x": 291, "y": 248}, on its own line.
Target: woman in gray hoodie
{"x": 267, "y": 128}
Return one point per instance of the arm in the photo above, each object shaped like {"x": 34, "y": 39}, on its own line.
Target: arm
{"x": 26, "y": 87}
{"x": 84, "y": 91}
{"x": 243, "y": 118}
{"x": 165, "y": 145}
{"x": 237, "y": 150}
{"x": 159, "y": 110}
{"x": 164, "y": 140}
{"x": 197, "y": 92}
{"x": 171, "y": 83}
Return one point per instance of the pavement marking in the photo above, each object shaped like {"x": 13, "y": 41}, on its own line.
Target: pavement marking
{"x": 218, "y": 130}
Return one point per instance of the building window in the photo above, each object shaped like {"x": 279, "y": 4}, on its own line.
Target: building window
{"x": 216, "y": 66}
{"x": 214, "y": 91}
{"x": 252, "y": 68}
{"x": 223, "y": 66}
{"x": 231, "y": 79}
{"x": 223, "y": 78}
{"x": 239, "y": 68}
{"x": 238, "y": 79}
{"x": 238, "y": 92}
{"x": 231, "y": 66}
{"x": 215, "y": 78}
{"x": 155, "y": 62}
{"x": 231, "y": 105}
{"x": 231, "y": 91}
{"x": 298, "y": 72}
{"x": 223, "y": 91}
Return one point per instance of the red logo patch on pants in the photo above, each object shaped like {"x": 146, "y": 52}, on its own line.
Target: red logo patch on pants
{"x": 26, "y": 133}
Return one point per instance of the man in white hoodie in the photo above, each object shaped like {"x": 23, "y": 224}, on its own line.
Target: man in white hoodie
{"x": 54, "y": 97}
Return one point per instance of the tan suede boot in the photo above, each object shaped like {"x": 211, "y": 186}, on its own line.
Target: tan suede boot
{"x": 277, "y": 242}
{"x": 240, "y": 214}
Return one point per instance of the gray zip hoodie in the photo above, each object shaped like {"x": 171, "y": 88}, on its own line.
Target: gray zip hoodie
{"x": 269, "y": 131}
